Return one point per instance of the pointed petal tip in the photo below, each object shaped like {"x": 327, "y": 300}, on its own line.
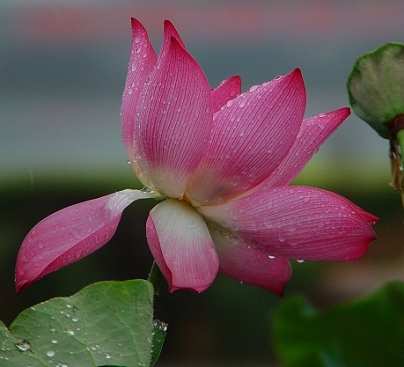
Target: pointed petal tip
{"x": 21, "y": 285}
{"x": 346, "y": 111}
{"x": 171, "y": 32}
{"x": 295, "y": 73}
{"x": 136, "y": 26}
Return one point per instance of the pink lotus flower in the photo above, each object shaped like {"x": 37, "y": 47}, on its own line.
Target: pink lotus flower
{"x": 221, "y": 160}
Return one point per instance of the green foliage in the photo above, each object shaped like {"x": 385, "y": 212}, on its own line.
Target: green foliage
{"x": 105, "y": 324}
{"x": 365, "y": 332}
{"x": 159, "y": 334}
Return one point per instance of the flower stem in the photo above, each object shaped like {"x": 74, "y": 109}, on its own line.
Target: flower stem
{"x": 155, "y": 277}
{"x": 400, "y": 140}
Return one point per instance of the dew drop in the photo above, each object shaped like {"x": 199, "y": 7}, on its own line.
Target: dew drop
{"x": 107, "y": 355}
{"x": 137, "y": 39}
{"x": 70, "y": 332}
{"x": 300, "y": 261}
{"x": 23, "y": 345}
{"x": 192, "y": 225}
{"x": 242, "y": 102}
{"x": 160, "y": 325}
{"x": 268, "y": 224}
{"x": 54, "y": 341}
{"x": 50, "y": 353}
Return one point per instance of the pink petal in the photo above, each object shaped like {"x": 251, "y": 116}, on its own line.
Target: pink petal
{"x": 173, "y": 120}
{"x": 226, "y": 91}
{"x": 369, "y": 218}
{"x": 71, "y": 234}
{"x": 141, "y": 62}
{"x": 170, "y": 31}
{"x": 241, "y": 262}
{"x": 181, "y": 245}
{"x": 297, "y": 223}
{"x": 313, "y": 132}
{"x": 250, "y": 137}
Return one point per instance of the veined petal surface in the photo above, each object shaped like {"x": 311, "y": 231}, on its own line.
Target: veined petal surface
{"x": 240, "y": 261}
{"x": 296, "y": 223}
{"x": 173, "y": 120}
{"x": 71, "y": 234}
{"x": 226, "y": 91}
{"x": 313, "y": 132}
{"x": 250, "y": 136}
{"x": 181, "y": 245}
{"x": 141, "y": 62}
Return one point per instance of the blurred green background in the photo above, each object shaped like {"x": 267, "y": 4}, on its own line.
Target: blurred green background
{"x": 62, "y": 69}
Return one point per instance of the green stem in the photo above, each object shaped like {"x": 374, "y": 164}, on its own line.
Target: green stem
{"x": 155, "y": 277}
{"x": 400, "y": 140}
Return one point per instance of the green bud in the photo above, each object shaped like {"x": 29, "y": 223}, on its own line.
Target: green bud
{"x": 376, "y": 87}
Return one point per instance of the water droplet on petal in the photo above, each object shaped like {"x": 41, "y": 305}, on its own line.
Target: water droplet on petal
{"x": 242, "y": 102}
{"x": 230, "y": 102}
{"x": 192, "y": 225}
{"x": 268, "y": 224}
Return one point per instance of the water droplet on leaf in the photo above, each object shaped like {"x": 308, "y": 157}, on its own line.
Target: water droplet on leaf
{"x": 50, "y": 353}
{"x": 23, "y": 346}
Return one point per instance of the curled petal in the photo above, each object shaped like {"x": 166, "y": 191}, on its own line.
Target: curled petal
{"x": 297, "y": 223}
{"x": 181, "y": 245}
{"x": 141, "y": 62}
{"x": 244, "y": 263}
{"x": 250, "y": 137}
{"x": 71, "y": 234}
{"x": 174, "y": 120}
{"x": 225, "y": 92}
{"x": 313, "y": 132}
